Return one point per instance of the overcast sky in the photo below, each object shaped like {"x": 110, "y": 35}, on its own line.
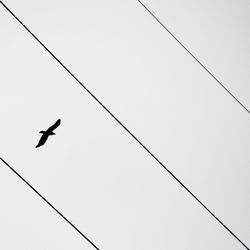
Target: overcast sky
{"x": 92, "y": 170}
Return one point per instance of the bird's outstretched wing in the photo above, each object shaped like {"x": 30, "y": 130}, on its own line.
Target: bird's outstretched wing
{"x": 54, "y": 126}
{"x": 43, "y": 139}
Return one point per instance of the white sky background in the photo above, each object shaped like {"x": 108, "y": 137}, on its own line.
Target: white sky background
{"x": 92, "y": 170}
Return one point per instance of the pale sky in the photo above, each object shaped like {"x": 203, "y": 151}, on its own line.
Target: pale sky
{"x": 92, "y": 170}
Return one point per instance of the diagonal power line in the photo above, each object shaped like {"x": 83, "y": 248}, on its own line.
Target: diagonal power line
{"x": 124, "y": 127}
{"x": 28, "y": 184}
{"x": 195, "y": 58}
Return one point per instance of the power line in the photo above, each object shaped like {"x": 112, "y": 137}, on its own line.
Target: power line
{"x": 70, "y": 223}
{"x": 123, "y": 126}
{"x": 195, "y": 58}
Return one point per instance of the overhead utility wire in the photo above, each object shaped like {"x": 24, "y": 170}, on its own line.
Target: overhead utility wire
{"x": 41, "y": 196}
{"x": 123, "y": 126}
{"x": 195, "y": 58}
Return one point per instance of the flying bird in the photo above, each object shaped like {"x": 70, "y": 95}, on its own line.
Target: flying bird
{"x": 47, "y": 133}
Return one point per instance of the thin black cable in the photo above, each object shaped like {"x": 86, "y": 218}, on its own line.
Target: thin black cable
{"x": 27, "y": 183}
{"x": 124, "y": 127}
{"x": 194, "y": 57}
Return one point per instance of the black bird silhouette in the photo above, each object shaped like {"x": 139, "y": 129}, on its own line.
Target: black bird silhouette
{"x": 47, "y": 133}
